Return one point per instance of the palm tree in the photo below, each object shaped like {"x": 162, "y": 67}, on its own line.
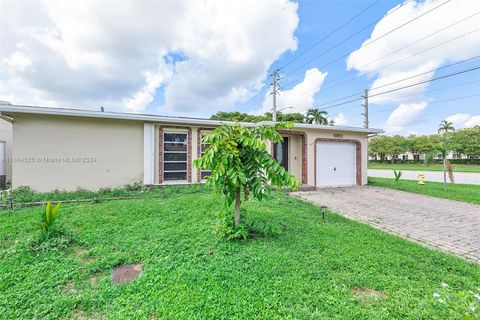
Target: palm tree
{"x": 444, "y": 148}
{"x": 316, "y": 116}
{"x": 445, "y": 127}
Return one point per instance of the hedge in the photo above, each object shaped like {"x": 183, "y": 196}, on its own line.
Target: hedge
{"x": 432, "y": 161}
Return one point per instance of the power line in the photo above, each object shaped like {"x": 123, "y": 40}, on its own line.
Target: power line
{"x": 442, "y": 88}
{"x": 420, "y": 74}
{"x": 373, "y": 40}
{"x": 404, "y": 79}
{"x": 430, "y": 103}
{"x": 404, "y": 87}
{"x": 330, "y": 34}
{"x": 395, "y": 51}
{"x": 427, "y": 81}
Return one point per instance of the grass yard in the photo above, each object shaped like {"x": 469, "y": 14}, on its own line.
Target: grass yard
{"x": 461, "y": 192}
{"x": 422, "y": 167}
{"x": 317, "y": 269}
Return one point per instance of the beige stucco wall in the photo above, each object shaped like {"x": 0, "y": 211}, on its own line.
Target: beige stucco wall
{"x": 295, "y": 145}
{"x": 6, "y": 136}
{"x": 312, "y": 135}
{"x": 53, "y": 152}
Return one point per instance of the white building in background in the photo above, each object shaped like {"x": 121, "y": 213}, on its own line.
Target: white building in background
{"x": 410, "y": 156}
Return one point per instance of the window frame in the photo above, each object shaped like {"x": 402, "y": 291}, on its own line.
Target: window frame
{"x": 164, "y": 152}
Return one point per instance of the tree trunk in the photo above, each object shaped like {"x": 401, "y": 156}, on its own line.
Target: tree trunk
{"x": 445, "y": 172}
{"x": 237, "y": 208}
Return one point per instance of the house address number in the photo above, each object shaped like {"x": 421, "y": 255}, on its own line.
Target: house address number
{"x": 338, "y": 135}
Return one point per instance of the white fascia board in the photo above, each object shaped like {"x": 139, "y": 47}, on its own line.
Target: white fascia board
{"x": 6, "y": 108}
{"x": 328, "y": 127}
{"x": 10, "y": 108}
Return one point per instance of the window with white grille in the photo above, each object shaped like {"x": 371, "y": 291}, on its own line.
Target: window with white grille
{"x": 175, "y": 154}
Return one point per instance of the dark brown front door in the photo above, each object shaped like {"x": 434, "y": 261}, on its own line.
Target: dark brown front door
{"x": 280, "y": 152}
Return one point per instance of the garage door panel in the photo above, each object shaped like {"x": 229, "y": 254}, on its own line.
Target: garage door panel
{"x": 336, "y": 164}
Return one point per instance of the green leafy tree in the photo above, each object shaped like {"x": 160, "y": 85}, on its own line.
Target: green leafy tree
{"x": 444, "y": 147}
{"x": 245, "y": 117}
{"x": 317, "y": 116}
{"x": 411, "y": 143}
{"x": 289, "y": 117}
{"x": 426, "y": 145}
{"x": 235, "y": 116}
{"x": 394, "y": 146}
{"x": 239, "y": 161}
{"x": 377, "y": 147}
{"x": 466, "y": 141}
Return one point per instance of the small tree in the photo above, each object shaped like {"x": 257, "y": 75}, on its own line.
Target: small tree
{"x": 239, "y": 161}
{"x": 444, "y": 148}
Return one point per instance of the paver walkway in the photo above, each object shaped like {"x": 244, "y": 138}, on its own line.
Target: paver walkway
{"x": 450, "y": 226}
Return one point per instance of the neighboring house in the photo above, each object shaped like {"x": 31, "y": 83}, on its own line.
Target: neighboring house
{"x": 6, "y": 147}
{"x": 410, "y": 156}
{"x": 66, "y": 149}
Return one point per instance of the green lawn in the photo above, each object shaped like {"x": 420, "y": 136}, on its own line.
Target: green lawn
{"x": 461, "y": 192}
{"x": 422, "y": 167}
{"x": 315, "y": 270}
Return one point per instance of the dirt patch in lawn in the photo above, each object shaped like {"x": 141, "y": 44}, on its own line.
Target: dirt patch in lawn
{"x": 368, "y": 295}
{"x": 95, "y": 278}
{"x": 82, "y": 255}
{"x": 71, "y": 289}
{"x": 126, "y": 273}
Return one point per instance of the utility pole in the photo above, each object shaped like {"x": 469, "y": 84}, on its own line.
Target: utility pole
{"x": 275, "y": 87}
{"x": 365, "y": 109}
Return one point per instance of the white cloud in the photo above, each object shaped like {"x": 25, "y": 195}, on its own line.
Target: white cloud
{"x": 91, "y": 53}
{"x": 474, "y": 121}
{"x": 460, "y": 49}
{"x": 301, "y": 96}
{"x": 18, "y": 61}
{"x": 340, "y": 119}
{"x": 403, "y": 116}
{"x": 464, "y": 120}
{"x": 146, "y": 94}
{"x": 458, "y": 119}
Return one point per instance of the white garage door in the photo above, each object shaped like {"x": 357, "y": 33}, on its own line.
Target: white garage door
{"x": 336, "y": 164}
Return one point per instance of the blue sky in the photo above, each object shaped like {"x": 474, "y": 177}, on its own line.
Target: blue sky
{"x": 197, "y": 58}
{"x": 318, "y": 18}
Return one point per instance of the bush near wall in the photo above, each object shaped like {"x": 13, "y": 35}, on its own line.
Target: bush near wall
{"x": 433, "y": 161}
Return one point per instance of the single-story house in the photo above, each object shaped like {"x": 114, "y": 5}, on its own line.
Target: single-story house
{"x": 65, "y": 149}
{"x": 5, "y": 148}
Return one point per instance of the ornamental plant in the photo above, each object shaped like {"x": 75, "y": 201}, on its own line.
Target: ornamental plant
{"x": 239, "y": 163}
{"x": 397, "y": 174}
{"x": 49, "y": 217}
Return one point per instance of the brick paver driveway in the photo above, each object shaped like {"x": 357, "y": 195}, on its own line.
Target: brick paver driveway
{"x": 450, "y": 226}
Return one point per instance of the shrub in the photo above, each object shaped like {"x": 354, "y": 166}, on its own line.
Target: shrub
{"x": 49, "y": 217}
{"x": 397, "y": 174}
{"x": 248, "y": 228}
{"x": 458, "y": 304}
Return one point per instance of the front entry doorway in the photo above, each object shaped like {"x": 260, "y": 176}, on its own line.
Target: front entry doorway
{"x": 280, "y": 152}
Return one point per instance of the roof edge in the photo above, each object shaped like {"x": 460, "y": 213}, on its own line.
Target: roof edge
{"x": 12, "y": 108}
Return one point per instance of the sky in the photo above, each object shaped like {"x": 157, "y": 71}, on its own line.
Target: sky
{"x": 194, "y": 58}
